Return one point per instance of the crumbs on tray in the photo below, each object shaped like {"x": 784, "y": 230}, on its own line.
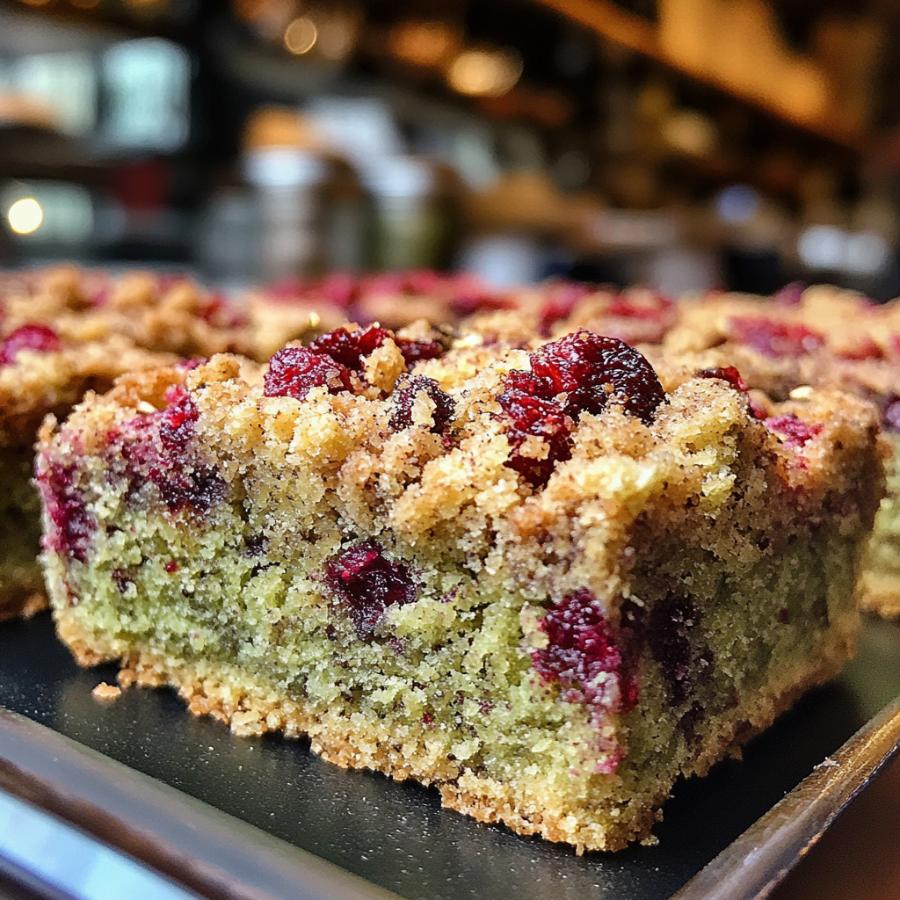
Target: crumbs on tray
{"x": 106, "y": 693}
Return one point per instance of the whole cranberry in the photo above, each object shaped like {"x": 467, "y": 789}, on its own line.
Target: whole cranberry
{"x": 349, "y": 347}
{"x": 528, "y": 403}
{"x": 295, "y": 371}
{"x": 592, "y": 370}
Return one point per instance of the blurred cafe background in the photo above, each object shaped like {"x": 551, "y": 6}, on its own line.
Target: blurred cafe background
{"x": 684, "y": 144}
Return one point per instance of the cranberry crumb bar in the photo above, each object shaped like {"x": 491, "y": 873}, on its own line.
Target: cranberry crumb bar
{"x": 63, "y": 332}
{"x": 296, "y": 307}
{"x": 817, "y": 336}
{"x": 165, "y": 312}
{"x": 548, "y": 581}
{"x": 41, "y": 371}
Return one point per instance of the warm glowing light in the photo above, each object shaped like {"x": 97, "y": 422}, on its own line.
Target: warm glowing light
{"x": 690, "y": 132}
{"x": 484, "y": 72}
{"x": 25, "y": 215}
{"x": 338, "y": 33}
{"x": 251, "y": 10}
{"x": 301, "y": 35}
{"x": 423, "y": 43}
{"x": 35, "y": 2}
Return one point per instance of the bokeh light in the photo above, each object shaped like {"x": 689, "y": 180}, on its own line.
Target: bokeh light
{"x": 25, "y": 215}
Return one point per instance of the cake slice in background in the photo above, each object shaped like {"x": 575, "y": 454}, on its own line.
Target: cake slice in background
{"x": 42, "y": 371}
{"x": 549, "y": 580}
{"x": 295, "y": 307}
{"x": 820, "y": 336}
{"x": 397, "y": 299}
{"x": 66, "y": 331}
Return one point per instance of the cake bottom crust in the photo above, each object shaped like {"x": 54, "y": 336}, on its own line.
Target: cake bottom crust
{"x": 251, "y": 708}
{"x": 21, "y": 603}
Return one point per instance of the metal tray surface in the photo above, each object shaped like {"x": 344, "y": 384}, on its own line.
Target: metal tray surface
{"x": 395, "y": 835}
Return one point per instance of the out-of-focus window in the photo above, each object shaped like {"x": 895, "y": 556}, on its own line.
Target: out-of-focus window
{"x": 67, "y": 81}
{"x": 147, "y": 84}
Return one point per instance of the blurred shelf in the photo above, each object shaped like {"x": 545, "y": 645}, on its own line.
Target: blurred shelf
{"x": 35, "y": 28}
{"x": 28, "y": 152}
{"x": 628, "y": 30}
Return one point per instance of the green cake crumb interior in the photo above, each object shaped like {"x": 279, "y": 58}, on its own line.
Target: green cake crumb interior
{"x": 551, "y": 625}
{"x": 881, "y": 572}
{"x": 20, "y": 574}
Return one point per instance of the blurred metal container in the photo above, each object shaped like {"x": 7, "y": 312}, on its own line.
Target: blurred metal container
{"x": 415, "y": 206}
{"x": 309, "y": 210}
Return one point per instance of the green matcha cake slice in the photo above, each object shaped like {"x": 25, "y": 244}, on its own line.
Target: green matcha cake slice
{"x": 548, "y": 581}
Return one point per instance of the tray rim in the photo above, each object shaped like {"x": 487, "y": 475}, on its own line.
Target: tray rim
{"x": 782, "y": 836}
{"x": 189, "y": 841}
{"x": 217, "y": 854}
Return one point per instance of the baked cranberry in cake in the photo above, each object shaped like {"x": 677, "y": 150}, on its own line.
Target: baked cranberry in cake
{"x": 414, "y": 350}
{"x": 560, "y": 300}
{"x": 582, "y": 654}
{"x": 365, "y": 583}
{"x": 72, "y": 524}
{"x": 775, "y": 338}
{"x": 795, "y": 431}
{"x": 35, "y": 337}
{"x": 592, "y": 370}
{"x": 178, "y": 419}
{"x": 670, "y": 636}
{"x": 726, "y": 373}
{"x": 295, "y": 371}
{"x": 349, "y": 348}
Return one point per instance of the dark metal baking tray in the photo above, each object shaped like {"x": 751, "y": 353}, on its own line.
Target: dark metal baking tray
{"x": 396, "y": 836}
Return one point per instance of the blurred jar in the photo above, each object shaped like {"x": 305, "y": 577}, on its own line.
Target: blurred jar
{"x": 227, "y": 241}
{"x": 308, "y": 202}
{"x": 414, "y": 212}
